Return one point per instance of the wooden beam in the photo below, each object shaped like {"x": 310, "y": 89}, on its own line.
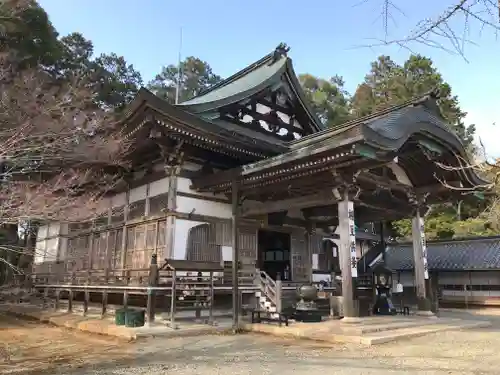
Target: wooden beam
{"x": 275, "y": 106}
{"x": 320, "y": 199}
{"x": 268, "y": 118}
{"x": 373, "y": 179}
{"x": 382, "y": 209}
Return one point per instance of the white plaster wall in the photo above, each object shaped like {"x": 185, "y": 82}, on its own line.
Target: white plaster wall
{"x": 138, "y": 193}
{"x": 39, "y": 252}
{"x": 42, "y": 232}
{"x": 227, "y": 253}
{"x": 158, "y": 187}
{"x": 54, "y": 229}
{"x": 47, "y": 242}
{"x": 203, "y": 207}
{"x": 181, "y": 232}
{"x": 51, "y": 249}
{"x": 119, "y": 200}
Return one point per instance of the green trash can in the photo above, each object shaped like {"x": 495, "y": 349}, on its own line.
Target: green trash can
{"x": 120, "y": 317}
{"x": 134, "y": 318}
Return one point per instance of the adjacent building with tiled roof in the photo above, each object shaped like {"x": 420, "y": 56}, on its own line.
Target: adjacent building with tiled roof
{"x": 462, "y": 271}
{"x": 473, "y": 254}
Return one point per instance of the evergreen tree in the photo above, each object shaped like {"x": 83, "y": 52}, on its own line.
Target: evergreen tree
{"x": 196, "y": 75}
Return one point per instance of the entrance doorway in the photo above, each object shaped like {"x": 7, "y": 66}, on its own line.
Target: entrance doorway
{"x": 274, "y": 254}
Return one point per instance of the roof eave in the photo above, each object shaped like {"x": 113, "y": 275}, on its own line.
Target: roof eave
{"x": 147, "y": 99}
{"x": 199, "y": 108}
{"x": 315, "y": 121}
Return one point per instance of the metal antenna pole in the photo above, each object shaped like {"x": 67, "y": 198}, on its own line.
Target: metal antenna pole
{"x": 179, "y": 70}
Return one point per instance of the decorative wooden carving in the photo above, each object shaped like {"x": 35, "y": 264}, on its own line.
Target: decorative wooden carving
{"x": 266, "y": 116}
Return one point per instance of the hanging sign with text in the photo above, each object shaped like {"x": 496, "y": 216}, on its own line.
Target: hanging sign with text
{"x": 424, "y": 248}
{"x": 352, "y": 239}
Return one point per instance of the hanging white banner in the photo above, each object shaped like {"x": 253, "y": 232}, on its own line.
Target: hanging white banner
{"x": 424, "y": 247}
{"x": 352, "y": 239}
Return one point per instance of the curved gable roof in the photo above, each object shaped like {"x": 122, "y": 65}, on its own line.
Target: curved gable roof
{"x": 265, "y": 73}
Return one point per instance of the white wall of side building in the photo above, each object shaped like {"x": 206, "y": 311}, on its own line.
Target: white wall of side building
{"x": 49, "y": 242}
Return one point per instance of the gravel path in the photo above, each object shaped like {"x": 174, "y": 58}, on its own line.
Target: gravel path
{"x": 466, "y": 352}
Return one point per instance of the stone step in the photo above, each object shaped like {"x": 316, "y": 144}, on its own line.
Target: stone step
{"x": 375, "y": 320}
{"x": 411, "y": 332}
{"x": 386, "y": 326}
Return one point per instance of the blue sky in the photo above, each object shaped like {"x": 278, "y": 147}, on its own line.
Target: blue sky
{"x": 324, "y": 37}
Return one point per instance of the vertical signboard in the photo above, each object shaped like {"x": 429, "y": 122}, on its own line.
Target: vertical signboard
{"x": 424, "y": 248}
{"x": 352, "y": 239}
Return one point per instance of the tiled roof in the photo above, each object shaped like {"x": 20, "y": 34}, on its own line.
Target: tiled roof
{"x": 471, "y": 254}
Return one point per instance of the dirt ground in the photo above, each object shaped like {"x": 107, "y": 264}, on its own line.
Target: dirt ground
{"x": 40, "y": 349}
{"x": 30, "y": 347}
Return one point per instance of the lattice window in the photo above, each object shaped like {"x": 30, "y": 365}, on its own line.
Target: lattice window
{"x": 199, "y": 246}
{"x": 162, "y": 233}
{"x": 99, "y": 250}
{"x": 101, "y": 221}
{"x": 140, "y": 245}
{"x": 158, "y": 204}
{"x": 115, "y": 244}
{"x": 140, "y": 237}
{"x": 223, "y": 233}
{"x": 117, "y": 215}
{"x": 137, "y": 209}
{"x": 78, "y": 253}
{"x": 130, "y": 247}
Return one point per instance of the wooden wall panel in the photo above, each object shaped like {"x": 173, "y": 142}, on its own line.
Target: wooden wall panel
{"x": 300, "y": 264}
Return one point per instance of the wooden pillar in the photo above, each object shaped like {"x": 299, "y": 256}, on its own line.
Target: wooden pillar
{"x": 234, "y": 238}
{"x": 124, "y": 232}
{"x": 152, "y": 282}
{"x": 171, "y": 208}
{"x": 173, "y": 166}
{"x": 347, "y": 253}
{"x": 308, "y": 250}
{"x": 420, "y": 260}
{"x": 382, "y": 241}
{"x": 147, "y": 202}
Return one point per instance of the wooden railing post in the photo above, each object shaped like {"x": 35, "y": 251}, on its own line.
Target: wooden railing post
{"x": 279, "y": 285}
{"x": 86, "y": 296}
{"x": 211, "y": 311}
{"x": 58, "y": 296}
{"x": 198, "y": 292}
{"x": 105, "y": 294}
{"x": 70, "y": 293}
{"x": 125, "y": 299}
{"x": 256, "y": 276}
{"x": 173, "y": 299}
{"x": 152, "y": 282}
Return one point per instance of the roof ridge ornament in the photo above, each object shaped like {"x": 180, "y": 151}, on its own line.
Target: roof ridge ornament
{"x": 280, "y": 51}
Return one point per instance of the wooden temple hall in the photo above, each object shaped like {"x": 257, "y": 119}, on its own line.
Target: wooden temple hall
{"x": 245, "y": 179}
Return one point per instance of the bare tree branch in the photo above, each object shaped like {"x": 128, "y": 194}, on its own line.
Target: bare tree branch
{"x": 60, "y": 153}
{"x": 442, "y": 30}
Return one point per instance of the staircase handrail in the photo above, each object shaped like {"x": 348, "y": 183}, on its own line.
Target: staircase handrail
{"x": 269, "y": 287}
